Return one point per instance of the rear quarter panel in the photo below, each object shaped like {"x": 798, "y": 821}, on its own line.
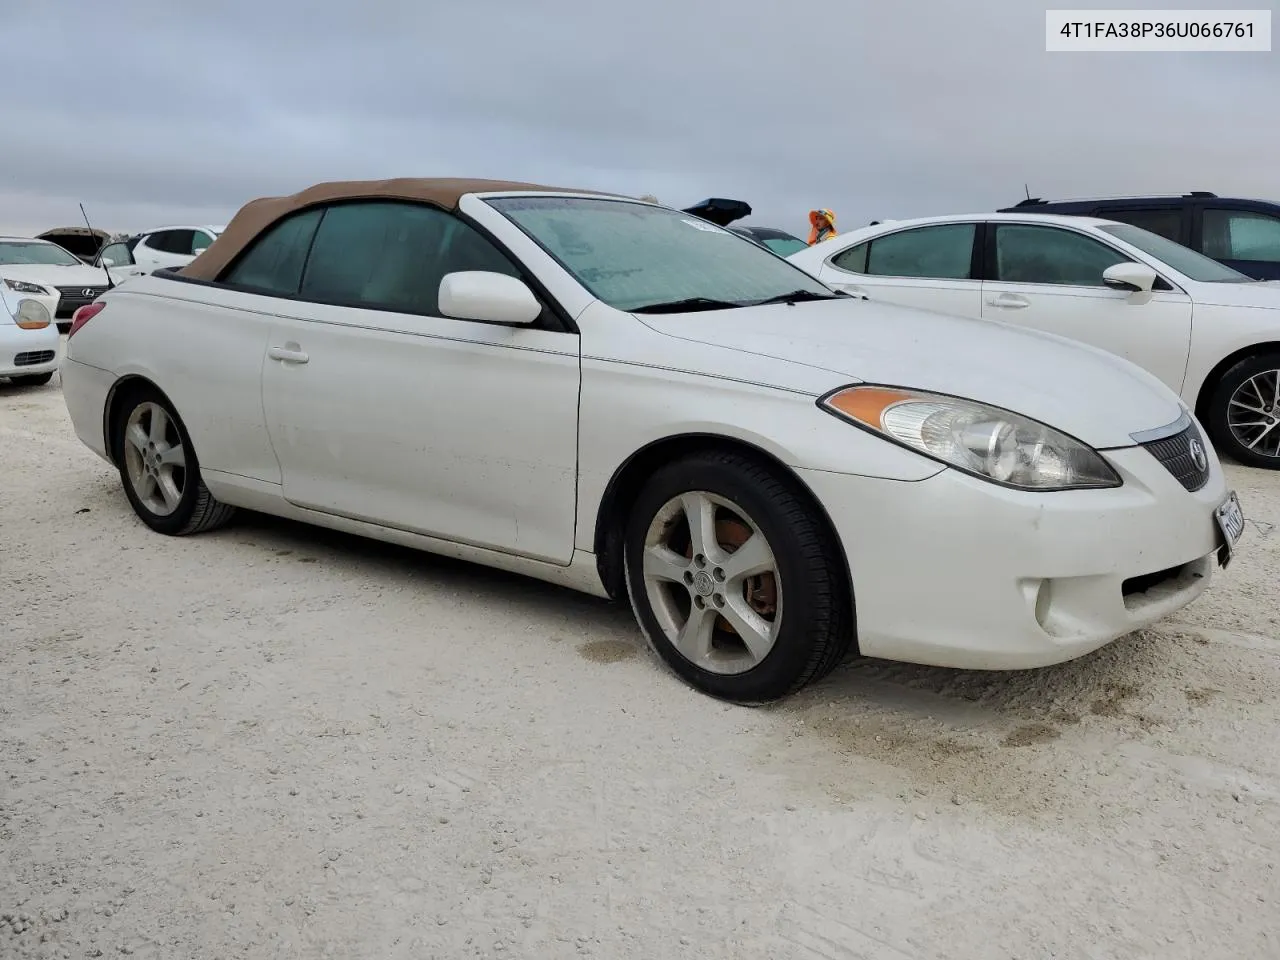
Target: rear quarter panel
{"x": 206, "y": 356}
{"x": 1218, "y": 332}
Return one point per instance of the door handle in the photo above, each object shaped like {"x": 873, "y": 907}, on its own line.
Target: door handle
{"x": 1008, "y": 301}
{"x": 286, "y": 355}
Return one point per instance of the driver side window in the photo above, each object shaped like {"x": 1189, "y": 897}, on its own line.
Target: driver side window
{"x": 1026, "y": 253}
{"x": 115, "y": 255}
{"x": 392, "y": 255}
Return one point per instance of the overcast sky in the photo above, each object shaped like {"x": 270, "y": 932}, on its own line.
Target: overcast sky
{"x": 155, "y": 111}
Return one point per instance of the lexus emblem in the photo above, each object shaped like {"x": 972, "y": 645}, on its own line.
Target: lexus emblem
{"x": 1196, "y": 449}
{"x": 88, "y": 292}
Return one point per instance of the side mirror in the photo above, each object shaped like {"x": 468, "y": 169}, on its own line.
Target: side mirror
{"x": 481, "y": 295}
{"x": 1131, "y": 277}
{"x": 198, "y": 251}
{"x": 109, "y": 262}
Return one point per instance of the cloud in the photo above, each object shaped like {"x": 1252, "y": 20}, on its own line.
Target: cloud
{"x": 162, "y": 112}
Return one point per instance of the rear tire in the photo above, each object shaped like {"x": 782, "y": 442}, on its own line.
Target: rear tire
{"x": 32, "y": 379}
{"x": 1244, "y": 409}
{"x": 749, "y": 603}
{"x": 159, "y": 468}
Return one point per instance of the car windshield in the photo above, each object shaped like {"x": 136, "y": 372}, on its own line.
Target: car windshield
{"x": 34, "y": 252}
{"x": 1183, "y": 259}
{"x": 635, "y": 256}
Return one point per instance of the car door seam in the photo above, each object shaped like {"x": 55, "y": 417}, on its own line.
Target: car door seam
{"x": 707, "y": 376}
{"x": 263, "y": 367}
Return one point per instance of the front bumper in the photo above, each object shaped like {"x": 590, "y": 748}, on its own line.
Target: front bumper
{"x": 28, "y": 352}
{"x": 953, "y": 571}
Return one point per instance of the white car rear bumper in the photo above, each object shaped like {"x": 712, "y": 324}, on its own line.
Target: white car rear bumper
{"x": 953, "y": 571}
{"x": 85, "y": 390}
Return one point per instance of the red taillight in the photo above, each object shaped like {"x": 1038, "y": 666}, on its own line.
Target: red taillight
{"x": 83, "y": 315}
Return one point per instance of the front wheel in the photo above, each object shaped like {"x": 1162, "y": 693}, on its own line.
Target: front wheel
{"x": 159, "y": 469}
{"x": 736, "y": 580}
{"x": 32, "y": 379}
{"x": 1244, "y": 412}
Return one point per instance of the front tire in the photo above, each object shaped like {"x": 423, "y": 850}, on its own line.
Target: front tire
{"x": 735, "y": 579}
{"x": 1244, "y": 412}
{"x": 159, "y": 469}
{"x": 32, "y": 379}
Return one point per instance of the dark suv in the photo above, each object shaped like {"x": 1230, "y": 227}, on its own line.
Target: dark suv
{"x": 1243, "y": 234}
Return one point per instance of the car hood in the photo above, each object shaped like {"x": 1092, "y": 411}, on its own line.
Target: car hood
{"x": 51, "y": 275}
{"x": 1262, "y": 293}
{"x": 1095, "y": 396}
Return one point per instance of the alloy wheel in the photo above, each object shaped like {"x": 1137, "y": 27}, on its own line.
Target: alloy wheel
{"x": 1253, "y": 413}
{"x": 155, "y": 460}
{"x": 712, "y": 581}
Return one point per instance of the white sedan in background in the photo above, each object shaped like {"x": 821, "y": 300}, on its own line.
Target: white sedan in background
{"x": 1208, "y": 332}
{"x": 633, "y": 402}
{"x": 45, "y": 272}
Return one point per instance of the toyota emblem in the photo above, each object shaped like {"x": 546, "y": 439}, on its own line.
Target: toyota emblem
{"x": 88, "y": 292}
{"x": 1198, "y": 457}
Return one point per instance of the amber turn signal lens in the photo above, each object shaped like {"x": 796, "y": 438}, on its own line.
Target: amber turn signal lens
{"x": 867, "y": 404}
{"x": 32, "y": 315}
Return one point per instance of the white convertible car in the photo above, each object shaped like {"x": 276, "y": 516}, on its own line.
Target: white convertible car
{"x": 630, "y": 401}
{"x": 1208, "y": 332}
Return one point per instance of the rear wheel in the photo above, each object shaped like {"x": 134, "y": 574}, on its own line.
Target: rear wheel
{"x": 32, "y": 379}
{"x": 1244, "y": 412}
{"x": 735, "y": 579}
{"x": 159, "y": 469}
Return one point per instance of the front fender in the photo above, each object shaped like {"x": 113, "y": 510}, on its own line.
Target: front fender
{"x": 627, "y": 407}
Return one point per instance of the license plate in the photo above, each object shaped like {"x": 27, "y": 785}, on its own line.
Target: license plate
{"x": 1231, "y": 522}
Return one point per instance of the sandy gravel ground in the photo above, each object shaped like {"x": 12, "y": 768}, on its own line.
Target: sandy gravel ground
{"x": 277, "y": 742}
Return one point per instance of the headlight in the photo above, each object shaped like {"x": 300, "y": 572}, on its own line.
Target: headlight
{"x": 21, "y": 286}
{"x": 988, "y": 442}
{"x": 32, "y": 315}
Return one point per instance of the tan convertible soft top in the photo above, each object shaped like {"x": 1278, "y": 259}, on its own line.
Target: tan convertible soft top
{"x": 256, "y": 215}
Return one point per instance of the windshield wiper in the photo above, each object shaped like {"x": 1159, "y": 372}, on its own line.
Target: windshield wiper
{"x": 688, "y": 305}
{"x": 796, "y": 296}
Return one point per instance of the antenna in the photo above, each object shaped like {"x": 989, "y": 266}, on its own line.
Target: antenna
{"x": 1027, "y": 188}
{"x": 110, "y": 283}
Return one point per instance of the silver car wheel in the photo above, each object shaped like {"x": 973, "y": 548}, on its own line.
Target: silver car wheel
{"x": 712, "y": 582}
{"x": 154, "y": 458}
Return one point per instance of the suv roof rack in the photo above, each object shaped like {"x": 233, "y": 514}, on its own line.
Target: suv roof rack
{"x": 1037, "y": 201}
